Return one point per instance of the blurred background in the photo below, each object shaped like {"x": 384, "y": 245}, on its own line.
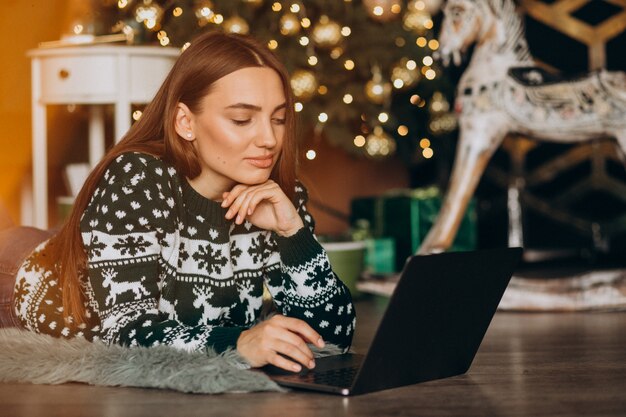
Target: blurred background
{"x": 376, "y": 112}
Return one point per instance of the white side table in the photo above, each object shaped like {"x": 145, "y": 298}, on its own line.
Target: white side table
{"x": 95, "y": 75}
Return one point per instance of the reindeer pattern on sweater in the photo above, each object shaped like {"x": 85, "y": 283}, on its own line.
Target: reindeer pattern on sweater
{"x": 166, "y": 267}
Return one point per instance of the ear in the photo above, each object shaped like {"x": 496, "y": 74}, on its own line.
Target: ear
{"x": 183, "y": 123}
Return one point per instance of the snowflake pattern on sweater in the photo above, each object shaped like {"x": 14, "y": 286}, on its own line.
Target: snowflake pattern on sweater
{"x": 166, "y": 268}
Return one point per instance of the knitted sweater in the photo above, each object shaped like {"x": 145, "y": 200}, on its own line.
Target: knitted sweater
{"x": 166, "y": 267}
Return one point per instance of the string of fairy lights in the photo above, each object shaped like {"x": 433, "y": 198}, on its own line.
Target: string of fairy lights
{"x": 327, "y": 76}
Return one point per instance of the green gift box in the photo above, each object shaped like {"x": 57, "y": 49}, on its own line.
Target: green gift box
{"x": 406, "y": 216}
{"x": 380, "y": 255}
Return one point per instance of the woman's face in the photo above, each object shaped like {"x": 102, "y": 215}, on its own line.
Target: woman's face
{"x": 239, "y": 130}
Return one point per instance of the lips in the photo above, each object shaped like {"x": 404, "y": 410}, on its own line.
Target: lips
{"x": 262, "y": 161}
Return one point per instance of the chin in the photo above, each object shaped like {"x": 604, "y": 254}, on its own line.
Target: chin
{"x": 253, "y": 179}
{"x": 250, "y": 175}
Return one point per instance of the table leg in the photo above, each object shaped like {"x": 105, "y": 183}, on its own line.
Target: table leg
{"x": 122, "y": 119}
{"x": 122, "y": 104}
{"x": 39, "y": 152}
{"x": 96, "y": 134}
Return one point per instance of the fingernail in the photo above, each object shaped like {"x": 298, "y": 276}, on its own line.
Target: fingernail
{"x": 320, "y": 342}
{"x": 228, "y": 214}
{"x": 223, "y": 203}
{"x": 238, "y": 219}
{"x": 249, "y": 211}
{"x": 296, "y": 368}
{"x": 311, "y": 364}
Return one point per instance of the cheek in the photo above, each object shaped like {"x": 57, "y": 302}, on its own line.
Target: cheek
{"x": 221, "y": 160}
{"x": 221, "y": 140}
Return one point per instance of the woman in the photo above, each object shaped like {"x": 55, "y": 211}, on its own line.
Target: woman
{"x": 179, "y": 227}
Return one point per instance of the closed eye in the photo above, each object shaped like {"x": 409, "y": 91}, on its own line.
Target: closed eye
{"x": 278, "y": 121}
{"x": 241, "y": 122}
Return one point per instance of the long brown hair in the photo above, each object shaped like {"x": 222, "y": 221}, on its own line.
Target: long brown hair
{"x": 210, "y": 57}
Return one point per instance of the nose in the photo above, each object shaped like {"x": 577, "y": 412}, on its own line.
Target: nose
{"x": 266, "y": 137}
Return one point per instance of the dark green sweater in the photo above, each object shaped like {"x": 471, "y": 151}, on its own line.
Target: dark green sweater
{"x": 166, "y": 267}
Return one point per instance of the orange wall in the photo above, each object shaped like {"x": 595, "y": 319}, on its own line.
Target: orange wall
{"x": 335, "y": 177}
{"x": 24, "y": 24}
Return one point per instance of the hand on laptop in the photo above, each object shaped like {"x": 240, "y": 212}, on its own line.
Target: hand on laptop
{"x": 272, "y": 340}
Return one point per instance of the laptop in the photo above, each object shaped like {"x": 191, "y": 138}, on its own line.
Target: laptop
{"x": 433, "y": 325}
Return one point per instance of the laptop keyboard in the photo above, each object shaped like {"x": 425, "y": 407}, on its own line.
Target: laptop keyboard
{"x": 341, "y": 377}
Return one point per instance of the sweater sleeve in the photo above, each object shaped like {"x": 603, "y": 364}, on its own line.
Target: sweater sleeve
{"x": 305, "y": 286}
{"x": 127, "y": 229}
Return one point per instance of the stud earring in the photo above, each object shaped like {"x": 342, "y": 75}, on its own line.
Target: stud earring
{"x": 189, "y": 135}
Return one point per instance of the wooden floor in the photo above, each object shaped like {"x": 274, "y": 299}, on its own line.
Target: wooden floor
{"x": 567, "y": 364}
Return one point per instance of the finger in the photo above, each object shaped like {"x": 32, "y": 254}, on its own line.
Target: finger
{"x": 253, "y": 200}
{"x": 295, "y": 340}
{"x": 293, "y": 352}
{"x": 302, "y": 328}
{"x": 241, "y": 202}
{"x": 266, "y": 193}
{"x": 235, "y": 206}
{"x": 284, "y": 363}
{"x": 235, "y": 203}
{"x": 233, "y": 194}
{"x": 243, "y": 208}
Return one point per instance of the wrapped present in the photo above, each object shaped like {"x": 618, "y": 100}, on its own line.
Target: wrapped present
{"x": 380, "y": 255}
{"x": 406, "y": 216}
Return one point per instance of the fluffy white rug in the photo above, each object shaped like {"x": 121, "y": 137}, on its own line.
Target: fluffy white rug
{"x": 27, "y": 357}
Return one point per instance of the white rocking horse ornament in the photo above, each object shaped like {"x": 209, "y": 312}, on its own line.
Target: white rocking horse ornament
{"x": 502, "y": 92}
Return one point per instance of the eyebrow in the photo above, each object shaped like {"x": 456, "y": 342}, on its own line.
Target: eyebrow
{"x": 253, "y": 107}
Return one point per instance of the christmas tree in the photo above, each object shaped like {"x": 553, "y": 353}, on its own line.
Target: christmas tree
{"x": 362, "y": 71}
